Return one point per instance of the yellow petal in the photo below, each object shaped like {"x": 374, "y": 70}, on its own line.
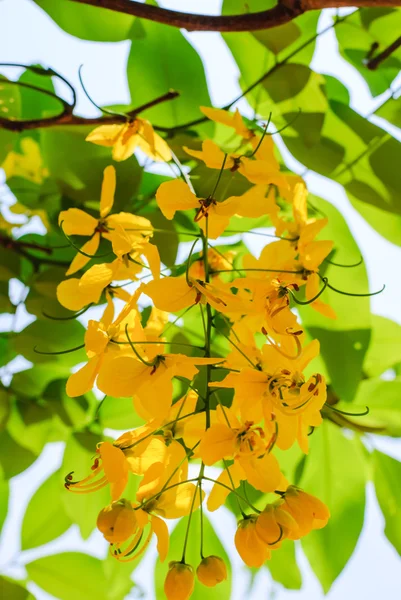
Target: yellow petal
{"x": 97, "y": 278}
{"x": 108, "y": 191}
{"x": 115, "y": 468}
{"x": 260, "y": 171}
{"x": 75, "y": 221}
{"x": 96, "y": 338}
{"x": 126, "y": 142}
{"x": 234, "y": 474}
{"x": 171, "y": 294}
{"x": 161, "y": 530}
{"x": 71, "y": 295}
{"x": 152, "y": 255}
{"x": 82, "y": 381}
{"x": 175, "y": 195}
{"x": 211, "y": 154}
{"x": 262, "y": 473}
{"x": 217, "y": 443}
{"x": 105, "y": 135}
{"x": 120, "y": 376}
{"x": 80, "y": 260}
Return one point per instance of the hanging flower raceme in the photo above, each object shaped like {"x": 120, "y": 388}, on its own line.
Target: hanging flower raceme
{"x": 125, "y": 138}
{"x": 247, "y": 327}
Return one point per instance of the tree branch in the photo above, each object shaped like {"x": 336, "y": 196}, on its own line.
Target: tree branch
{"x": 283, "y": 12}
{"x": 373, "y": 63}
{"x": 67, "y": 118}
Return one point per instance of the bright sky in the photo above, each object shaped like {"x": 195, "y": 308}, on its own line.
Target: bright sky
{"x": 27, "y": 35}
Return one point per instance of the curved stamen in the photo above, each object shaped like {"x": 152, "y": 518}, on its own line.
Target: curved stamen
{"x": 74, "y": 316}
{"x": 344, "y": 266}
{"x": 348, "y": 414}
{"x": 305, "y": 302}
{"x": 59, "y": 352}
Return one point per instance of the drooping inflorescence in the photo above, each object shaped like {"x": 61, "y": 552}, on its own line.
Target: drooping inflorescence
{"x": 276, "y": 397}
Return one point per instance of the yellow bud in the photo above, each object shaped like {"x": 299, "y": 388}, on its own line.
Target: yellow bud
{"x": 180, "y": 581}
{"x": 251, "y": 548}
{"x": 308, "y": 511}
{"x": 211, "y": 571}
{"x": 275, "y": 524}
{"x": 117, "y": 521}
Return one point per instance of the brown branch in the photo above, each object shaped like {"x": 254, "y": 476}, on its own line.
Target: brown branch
{"x": 373, "y": 63}
{"x": 21, "y": 247}
{"x": 67, "y": 118}
{"x": 283, "y": 12}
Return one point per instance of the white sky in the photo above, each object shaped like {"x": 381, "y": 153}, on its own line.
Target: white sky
{"x": 27, "y": 35}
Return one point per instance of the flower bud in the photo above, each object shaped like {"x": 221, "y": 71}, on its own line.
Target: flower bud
{"x": 117, "y": 521}
{"x": 275, "y": 524}
{"x": 180, "y": 581}
{"x": 308, "y": 511}
{"x": 253, "y": 551}
{"x": 211, "y": 571}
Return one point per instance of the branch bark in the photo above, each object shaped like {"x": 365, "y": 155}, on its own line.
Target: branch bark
{"x": 375, "y": 62}
{"x": 283, "y": 12}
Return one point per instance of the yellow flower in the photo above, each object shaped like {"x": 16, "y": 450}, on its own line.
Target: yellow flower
{"x": 246, "y": 444}
{"x": 253, "y": 551}
{"x": 97, "y": 344}
{"x": 308, "y": 511}
{"x": 280, "y": 393}
{"x": 180, "y": 581}
{"x": 125, "y": 138}
{"x": 110, "y": 468}
{"x": 151, "y": 383}
{"x": 128, "y": 549}
{"x": 230, "y": 119}
{"x": 275, "y": 524}
{"x": 175, "y": 293}
{"x": 75, "y": 221}
{"x": 211, "y": 571}
{"x": 117, "y": 521}
{"x": 257, "y": 169}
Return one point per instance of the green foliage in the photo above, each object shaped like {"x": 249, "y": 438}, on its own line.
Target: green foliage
{"x": 335, "y": 471}
{"x": 44, "y": 518}
{"x": 386, "y": 477}
{"x": 325, "y": 134}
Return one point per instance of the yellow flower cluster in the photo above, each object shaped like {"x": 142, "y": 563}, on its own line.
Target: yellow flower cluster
{"x": 274, "y": 402}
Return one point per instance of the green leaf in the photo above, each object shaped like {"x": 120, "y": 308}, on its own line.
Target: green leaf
{"x": 385, "y": 346}
{"x": 88, "y": 22}
{"x": 31, "y": 425}
{"x": 10, "y": 264}
{"x": 70, "y": 575}
{"x": 387, "y": 480}
{"x": 156, "y": 52}
{"x": 82, "y": 509}
{"x": 391, "y": 111}
{"x": 52, "y": 336}
{"x": 77, "y": 166}
{"x": 118, "y": 413}
{"x": 335, "y": 472}
{"x": 283, "y": 566}
{"x": 13, "y": 590}
{"x": 356, "y": 37}
{"x": 4, "y": 496}
{"x": 212, "y": 546}
{"x": 45, "y": 518}
{"x": 343, "y": 341}
{"x": 34, "y": 104}
{"x": 13, "y": 458}
{"x": 383, "y": 398}
{"x": 33, "y": 382}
